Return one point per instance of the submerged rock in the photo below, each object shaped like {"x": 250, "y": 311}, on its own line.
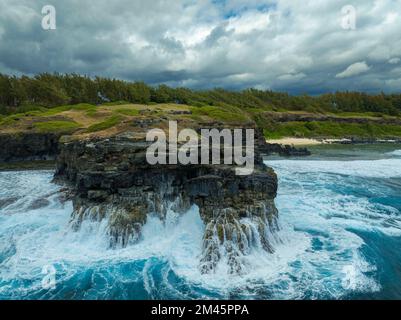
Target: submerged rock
{"x": 5, "y": 202}
{"x": 38, "y": 203}
{"x": 112, "y": 180}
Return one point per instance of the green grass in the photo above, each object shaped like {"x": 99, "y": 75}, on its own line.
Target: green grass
{"x": 117, "y": 103}
{"x": 40, "y": 112}
{"x": 78, "y": 107}
{"x": 14, "y": 118}
{"x": 358, "y": 114}
{"x": 254, "y": 111}
{"x": 92, "y": 113}
{"x": 10, "y": 120}
{"x": 56, "y": 126}
{"x": 128, "y": 112}
{"x": 110, "y": 122}
{"x": 330, "y": 129}
{"x": 221, "y": 114}
{"x": 26, "y": 108}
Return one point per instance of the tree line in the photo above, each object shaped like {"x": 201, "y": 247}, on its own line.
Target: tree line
{"x": 21, "y": 94}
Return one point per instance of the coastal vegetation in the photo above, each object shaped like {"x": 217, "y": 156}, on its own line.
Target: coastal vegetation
{"x": 23, "y": 94}
{"x": 330, "y": 129}
{"x": 74, "y": 103}
{"x": 104, "y": 125}
{"x": 56, "y": 126}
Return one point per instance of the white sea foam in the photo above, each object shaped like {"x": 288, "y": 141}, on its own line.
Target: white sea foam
{"x": 318, "y": 255}
{"x": 396, "y": 153}
{"x": 384, "y": 168}
{"x": 325, "y": 200}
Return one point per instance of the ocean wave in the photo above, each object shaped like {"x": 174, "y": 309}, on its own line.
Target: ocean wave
{"x": 384, "y": 168}
{"x": 396, "y": 153}
{"x": 319, "y": 256}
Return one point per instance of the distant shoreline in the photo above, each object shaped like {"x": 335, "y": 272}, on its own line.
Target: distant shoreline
{"x": 295, "y": 141}
{"x": 298, "y": 142}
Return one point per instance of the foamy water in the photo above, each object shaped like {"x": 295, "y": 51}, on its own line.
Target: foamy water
{"x": 330, "y": 213}
{"x": 396, "y": 153}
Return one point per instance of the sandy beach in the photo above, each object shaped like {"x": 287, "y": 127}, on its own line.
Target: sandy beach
{"x": 295, "y": 141}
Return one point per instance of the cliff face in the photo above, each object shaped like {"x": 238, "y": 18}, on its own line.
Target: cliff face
{"x": 28, "y": 146}
{"x": 112, "y": 180}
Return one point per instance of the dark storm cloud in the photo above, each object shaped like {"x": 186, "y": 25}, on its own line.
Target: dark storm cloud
{"x": 296, "y": 46}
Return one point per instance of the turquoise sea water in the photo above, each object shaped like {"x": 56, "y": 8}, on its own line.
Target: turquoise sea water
{"x": 340, "y": 218}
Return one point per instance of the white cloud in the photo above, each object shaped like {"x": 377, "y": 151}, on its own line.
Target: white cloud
{"x": 249, "y": 22}
{"x": 394, "y": 61}
{"x": 354, "y": 70}
{"x": 292, "y": 77}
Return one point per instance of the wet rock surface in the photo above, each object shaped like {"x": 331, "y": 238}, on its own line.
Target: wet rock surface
{"x": 111, "y": 179}
{"x": 7, "y": 201}
{"x": 38, "y": 203}
{"x": 284, "y": 150}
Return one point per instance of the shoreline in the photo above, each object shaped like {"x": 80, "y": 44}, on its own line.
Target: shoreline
{"x": 304, "y": 142}
{"x": 295, "y": 141}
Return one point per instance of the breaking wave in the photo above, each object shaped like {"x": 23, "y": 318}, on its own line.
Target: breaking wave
{"x": 340, "y": 220}
{"x": 396, "y": 153}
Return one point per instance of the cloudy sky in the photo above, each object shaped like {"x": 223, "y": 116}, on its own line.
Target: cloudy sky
{"x": 297, "y": 46}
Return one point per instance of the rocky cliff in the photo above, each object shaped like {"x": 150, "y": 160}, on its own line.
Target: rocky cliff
{"x": 25, "y": 146}
{"x": 111, "y": 179}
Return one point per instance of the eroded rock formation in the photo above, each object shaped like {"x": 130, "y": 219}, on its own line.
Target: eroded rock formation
{"x": 111, "y": 179}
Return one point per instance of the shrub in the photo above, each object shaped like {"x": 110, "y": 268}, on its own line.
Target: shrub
{"x": 110, "y": 122}
{"x": 128, "y": 112}
{"x": 55, "y": 126}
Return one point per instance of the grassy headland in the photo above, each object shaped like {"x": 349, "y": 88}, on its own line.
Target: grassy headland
{"x": 85, "y": 106}
{"x": 107, "y": 119}
{"x": 331, "y": 129}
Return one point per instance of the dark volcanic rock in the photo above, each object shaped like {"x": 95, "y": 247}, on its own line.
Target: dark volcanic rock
{"x": 38, "y": 203}
{"x": 112, "y": 179}
{"x": 284, "y": 150}
{"x": 267, "y": 149}
{"x": 28, "y": 147}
